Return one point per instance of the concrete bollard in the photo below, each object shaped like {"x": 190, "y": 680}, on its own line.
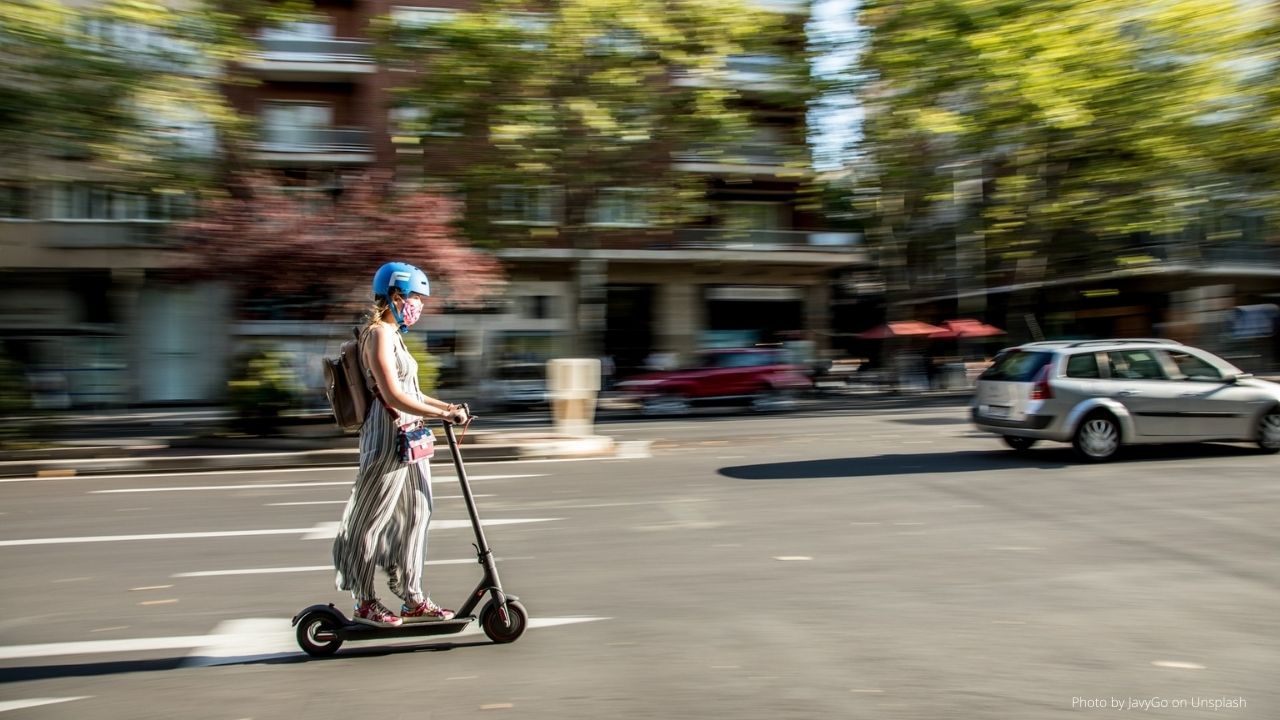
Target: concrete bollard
{"x": 573, "y": 384}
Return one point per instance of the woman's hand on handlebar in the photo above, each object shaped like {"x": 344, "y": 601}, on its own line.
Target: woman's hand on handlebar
{"x": 457, "y": 415}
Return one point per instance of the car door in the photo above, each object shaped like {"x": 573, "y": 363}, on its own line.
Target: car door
{"x": 1208, "y": 405}
{"x": 1138, "y": 381}
{"x": 716, "y": 377}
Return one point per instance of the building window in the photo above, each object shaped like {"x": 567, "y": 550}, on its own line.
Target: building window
{"x": 621, "y": 207}
{"x": 538, "y": 307}
{"x": 294, "y": 123}
{"x": 416, "y": 122}
{"x": 753, "y": 215}
{"x": 15, "y": 202}
{"x": 526, "y": 205}
{"x": 421, "y": 17}
{"x": 86, "y": 201}
{"x": 309, "y": 29}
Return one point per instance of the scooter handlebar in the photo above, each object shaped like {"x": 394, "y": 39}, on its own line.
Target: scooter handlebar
{"x": 465, "y": 408}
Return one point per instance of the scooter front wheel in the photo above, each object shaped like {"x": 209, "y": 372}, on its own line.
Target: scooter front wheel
{"x": 498, "y": 631}
{"x": 318, "y": 635}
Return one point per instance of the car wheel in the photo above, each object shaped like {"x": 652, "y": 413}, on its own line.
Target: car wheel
{"x": 773, "y": 400}
{"x": 667, "y": 404}
{"x": 1018, "y": 444}
{"x": 1269, "y": 431}
{"x": 1097, "y": 439}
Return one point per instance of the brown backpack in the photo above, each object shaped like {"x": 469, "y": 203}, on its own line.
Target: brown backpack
{"x": 345, "y": 386}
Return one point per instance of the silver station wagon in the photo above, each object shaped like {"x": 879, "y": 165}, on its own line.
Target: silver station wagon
{"x": 1101, "y": 394}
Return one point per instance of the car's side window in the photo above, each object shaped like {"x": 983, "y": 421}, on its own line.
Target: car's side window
{"x": 1084, "y": 365}
{"x": 1135, "y": 365}
{"x": 1194, "y": 368}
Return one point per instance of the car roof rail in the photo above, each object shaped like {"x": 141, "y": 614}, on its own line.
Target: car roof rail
{"x": 1126, "y": 341}
{"x": 1047, "y": 343}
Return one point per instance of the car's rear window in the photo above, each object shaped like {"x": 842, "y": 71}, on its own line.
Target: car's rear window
{"x": 1017, "y": 366}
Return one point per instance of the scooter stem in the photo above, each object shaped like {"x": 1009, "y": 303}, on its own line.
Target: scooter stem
{"x": 490, "y": 582}
{"x": 482, "y": 545}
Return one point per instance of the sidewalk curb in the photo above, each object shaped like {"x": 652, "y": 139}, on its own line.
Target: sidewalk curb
{"x": 542, "y": 449}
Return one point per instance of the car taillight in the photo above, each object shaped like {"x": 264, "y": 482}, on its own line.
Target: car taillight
{"x": 1041, "y": 390}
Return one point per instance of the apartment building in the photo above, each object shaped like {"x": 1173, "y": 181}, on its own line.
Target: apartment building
{"x": 90, "y": 259}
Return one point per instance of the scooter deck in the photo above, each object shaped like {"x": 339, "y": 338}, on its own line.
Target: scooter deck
{"x": 352, "y": 630}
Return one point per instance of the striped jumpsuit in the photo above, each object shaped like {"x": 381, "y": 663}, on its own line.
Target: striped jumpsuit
{"x": 386, "y": 518}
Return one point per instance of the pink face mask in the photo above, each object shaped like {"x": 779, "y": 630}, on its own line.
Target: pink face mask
{"x": 410, "y": 313}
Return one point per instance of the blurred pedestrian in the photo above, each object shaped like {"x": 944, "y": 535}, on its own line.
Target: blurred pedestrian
{"x": 386, "y": 518}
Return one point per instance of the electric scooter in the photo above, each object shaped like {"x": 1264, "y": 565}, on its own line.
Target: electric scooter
{"x": 321, "y": 629}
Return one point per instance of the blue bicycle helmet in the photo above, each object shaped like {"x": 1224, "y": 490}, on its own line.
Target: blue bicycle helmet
{"x": 403, "y": 277}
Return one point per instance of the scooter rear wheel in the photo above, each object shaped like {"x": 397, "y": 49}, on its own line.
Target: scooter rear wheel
{"x": 491, "y": 621}
{"x": 318, "y": 635}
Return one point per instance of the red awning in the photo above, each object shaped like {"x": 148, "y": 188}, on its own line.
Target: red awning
{"x": 902, "y": 328}
{"x": 966, "y": 328}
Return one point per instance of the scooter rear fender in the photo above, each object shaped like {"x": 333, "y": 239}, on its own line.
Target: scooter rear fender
{"x": 328, "y": 609}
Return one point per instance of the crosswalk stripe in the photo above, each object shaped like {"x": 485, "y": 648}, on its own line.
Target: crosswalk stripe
{"x": 320, "y": 531}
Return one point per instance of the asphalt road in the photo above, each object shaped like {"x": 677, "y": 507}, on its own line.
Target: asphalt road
{"x": 855, "y": 564}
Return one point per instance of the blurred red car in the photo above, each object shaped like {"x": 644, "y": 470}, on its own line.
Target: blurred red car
{"x": 762, "y": 378}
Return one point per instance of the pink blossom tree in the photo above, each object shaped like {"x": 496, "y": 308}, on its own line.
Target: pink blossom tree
{"x": 316, "y": 251}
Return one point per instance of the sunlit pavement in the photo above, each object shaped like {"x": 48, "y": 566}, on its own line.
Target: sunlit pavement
{"x": 885, "y": 563}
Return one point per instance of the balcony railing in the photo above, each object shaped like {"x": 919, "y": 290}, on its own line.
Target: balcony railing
{"x": 729, "y": 239}
{"x": 315, "y": 140}
{"x": 762, "y": 154}
{"x": 314, "y": 50}
{"x": 748, "y": 72}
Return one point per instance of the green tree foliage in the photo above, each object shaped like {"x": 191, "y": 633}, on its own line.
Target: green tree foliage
{"x": 133, "y": 85}
{"x": 578, "y": 95}
{"x": 264, "y": 388}
{"x": 1062, "y": 127}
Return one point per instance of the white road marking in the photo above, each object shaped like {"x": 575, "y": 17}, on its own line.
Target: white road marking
{"x": 786, "y": 558}
{"x": 233, "y": 641}
{"x": 8, "y": 705}
{"x": 89, "y": 647}
{"x": 273, "y": 486}
{"x": 344, "y": 502}
{"x": 264, "y": 471}
{"x": 318, "y": 532}
{"x": 154, "y": 536}
{"x": 319, "y": 568}
{"x": 329, "y": 530}
{"x": 620, "y": 504}
{"x": 1178, "y": 665}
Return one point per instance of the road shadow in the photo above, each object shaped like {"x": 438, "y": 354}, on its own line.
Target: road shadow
{"x": 882, "y": 465}
{"x": 968, "y": 461}
{"x": 189, "y": 662}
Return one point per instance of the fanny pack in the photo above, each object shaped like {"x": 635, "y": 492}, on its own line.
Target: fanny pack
{"x": 415, "y": 442}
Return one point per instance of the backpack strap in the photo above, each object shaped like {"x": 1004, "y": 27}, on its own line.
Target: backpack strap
{"x": 368, "y": 376}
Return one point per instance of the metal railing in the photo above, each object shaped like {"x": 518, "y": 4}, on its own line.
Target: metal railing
{"x": 731, "y": 239}
{"x": 773, "y": 154}
{"x": 311, "y": 50}
{"x": 310, "y": 139}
